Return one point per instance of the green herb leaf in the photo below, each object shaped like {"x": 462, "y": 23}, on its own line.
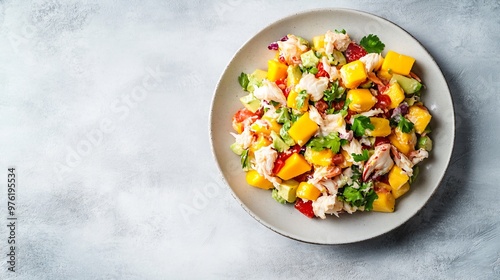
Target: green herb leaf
{"x": 335, "y": 92}
{"x": 283, "y": 115}
{"x": 353, "y": 196}
{"x": 364, "y": 156}
{"x": 277, "y": 197}
{"x": 356, "y": 173}
{"x": 363, "y": 196}
{"x": 342, "y": 31}
{"x": 360, "y": 124}
{"x": 330, "y": 141}
{"x": 284, "y": 134}
{"x": 370, "y": 197}
{"x": 372, "y": 44}
{"x": 405, "y": 125}
{"x": 245, "y": 160}
{"x": 301, "y": 98}
{"x": 243, "y": 80}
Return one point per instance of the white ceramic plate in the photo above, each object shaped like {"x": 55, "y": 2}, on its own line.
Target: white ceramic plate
{"x": 348, "y": 228}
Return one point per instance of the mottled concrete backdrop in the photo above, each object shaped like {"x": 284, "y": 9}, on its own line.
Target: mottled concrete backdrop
{"x": 104, "y": 112}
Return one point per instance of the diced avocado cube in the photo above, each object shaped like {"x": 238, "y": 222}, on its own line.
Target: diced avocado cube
{"x": 250, "y": 102}
{"x": 255, "y": 79}
{"x": 409, "y": 85}
{"x": 278, "y": 143}
{"x": 309, "y": 59}
{"x": 288, "y": 190}
{"x": 236, "y": 148}
{"x": 425, "y": 143}
{"x": 337, "y": 58}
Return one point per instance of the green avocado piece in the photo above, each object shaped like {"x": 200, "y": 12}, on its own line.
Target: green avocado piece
{"x": 288, "y": 190}
{"x": 250, "y": 102}
{"x": 278, "y": 143}
{"x": 409, "y": 85}
{"x": 309, "y": 59}
{"x": 236, "y": 148}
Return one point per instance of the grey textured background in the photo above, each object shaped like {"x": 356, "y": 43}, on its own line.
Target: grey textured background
{"x": 104, "y": 111}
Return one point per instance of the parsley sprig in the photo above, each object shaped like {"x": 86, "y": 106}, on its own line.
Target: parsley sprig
{"x": 372, "y": 44}
{"x": 330, "y": 141}
{"x": 360, "y": 124}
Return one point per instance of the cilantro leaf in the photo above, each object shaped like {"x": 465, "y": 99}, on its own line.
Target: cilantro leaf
{"x": 405, "y": 125}
{"x": 356, "y": 173}
{"x": 370, "y": 197}
{"x": 335, "y": 92}
{"x": 341, "y": 31}
{"x": 301, "y": 98}
{"x": 363, "y": 196}
{"x": 353, "y": 196}
{"x": 245, "y": 160}
{"x": 372, "y": 44}
{"x": 243, "y": 80}
{"x": 360, "y": 124}
{"x": 364, "y": 156}
{"x": 330, "y": 141}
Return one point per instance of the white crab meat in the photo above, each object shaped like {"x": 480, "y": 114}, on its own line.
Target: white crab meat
{"x": 372, "y": 61}
{"x": 336, "y": 41}
{"x": 264, "y": 162}
{"x": 291, "y": 49}
{"x": 418, "y": 155}
{"x": 271, "y": 92}
{"x": 402, "y": 161}
{"x": 327, "y": 204}
{"x": 379, "y": 163}
{"x": 313, "y": 86}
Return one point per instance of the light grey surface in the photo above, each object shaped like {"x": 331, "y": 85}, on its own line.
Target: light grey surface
{"x": 104, "y": 113}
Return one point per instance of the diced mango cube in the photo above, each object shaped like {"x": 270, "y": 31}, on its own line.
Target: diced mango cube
{"x": 402, "y": 190}
{"x": 318, "y": 42}
{"x": 397, "y": 177}
{"x": 404, "y": 142}
{"x": 384, "y": 75}
{"x": 353, "y": 74}
{"x": 348, "y": 161}
{"x": 291, "y": 101}
{"x": 276, "y": 70}
{"x": 361, "y": 100}
{"x": 419, "y": 116}
{"x": 308, "y": 191}
{"x": 303, "y": 129}
{"x": 396, "y": 93}
{"x": 260, "y": 127}
{"x": 398, "y": 63}
{"x": 273, "y": 124}
{"x": 382, "y": 127}
{"x": 256, "y": 180}
{"x": 294, "y": 166}
{"x": 293, "y": 75}
{"x": 322, "y": 158}
{"x": 262, "y": 141}
{"x": 385, "y": 201}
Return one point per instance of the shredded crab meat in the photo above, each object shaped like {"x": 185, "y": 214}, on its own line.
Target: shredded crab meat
{"x": 418, "y": 155}
{"x": 327, "y": 204}
{"x": 332, "y": 71}
{"x": 313, "y": 86}
{"x": 336, "y": 41}
{"x": 264, "y": 162}
{"x": 402, "y": 161}
{"x": 354, "y": 147}
{"x": 271, "y": 92}
{"x": 329, "y": 123}
{"x": 379, "y": 163}
{"x": 291, "y": 49}
{"x": 244, "y": 139}
{"x": 371, "y": 61}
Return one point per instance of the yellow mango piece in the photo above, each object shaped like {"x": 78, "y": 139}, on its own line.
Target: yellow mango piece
{"x": 398, "y": 63}
{"x": 260, "y": 127}
{"x": 361, "y": 100}
{"x": 385, "y": 202}
{"x": 254, "y": 179}
{"x": 382, "y": 127}
{"x": 396, "y": 93}
{"x": 322, "y": 158}
{"x": 402, "y": 190}
{"x": 291, "y": 101}
{"x": 303, "y": 129}
{"x": 318, "y": 42}
{"x": 397, "y": 178}
{"x": 262, "y": 141}
{"x": 308, "y": 191}
{"x": 404, "y": 142}
{"x": 273, "y": 124}
{"x": 295, "y": 165}
{"x": 419, "y": 116}
{"x": 384, "y": 75}
{"x": 353, "y": 74}
{"x": 276, "y": 70}
{"x": 238, "y": 127}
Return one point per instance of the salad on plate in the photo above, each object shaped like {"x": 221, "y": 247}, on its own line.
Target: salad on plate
{"x": 332, "y": 125}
